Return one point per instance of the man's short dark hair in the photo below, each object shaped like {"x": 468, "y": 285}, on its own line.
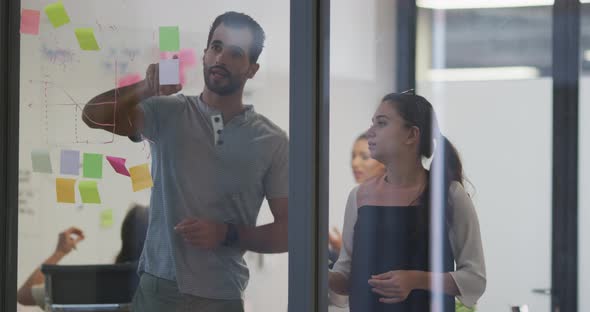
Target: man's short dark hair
{"x": 241, "y": 20}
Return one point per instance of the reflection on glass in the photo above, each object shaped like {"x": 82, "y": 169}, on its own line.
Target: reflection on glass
{"x": 363, "y": 168}
{"x": 181, "y": 138}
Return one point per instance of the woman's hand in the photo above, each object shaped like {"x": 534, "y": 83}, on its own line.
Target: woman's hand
{"x": 395, "y": 286}
{"x": 338, "y": 283}
{"x": 335, "y": 240}
{"x": 68, "y": 240}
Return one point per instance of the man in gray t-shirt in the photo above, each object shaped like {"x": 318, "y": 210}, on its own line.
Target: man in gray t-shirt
{"x": 214, "y": 161}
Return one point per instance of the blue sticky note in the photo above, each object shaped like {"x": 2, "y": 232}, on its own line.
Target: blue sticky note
{"x": 70, "y": 162}
{"x": 41, "y": 161}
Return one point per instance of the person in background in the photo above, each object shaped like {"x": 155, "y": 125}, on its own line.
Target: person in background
{"x": 133, "y": 231}
{"x": 363, "y": 168}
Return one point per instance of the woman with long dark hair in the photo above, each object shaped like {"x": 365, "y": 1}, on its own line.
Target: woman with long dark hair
{"x": 133, "y": 232}
{"x": 385, "y": 263}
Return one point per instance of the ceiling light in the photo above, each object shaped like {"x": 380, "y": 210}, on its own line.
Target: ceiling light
{"x": 484, "y": 73}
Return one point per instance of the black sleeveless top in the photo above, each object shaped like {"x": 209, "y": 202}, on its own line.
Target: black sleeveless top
{"x": 385, "y": 239}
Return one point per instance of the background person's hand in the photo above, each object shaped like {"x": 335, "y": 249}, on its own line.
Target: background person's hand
{"x": 202, "y": 233}
{"x": 335, "y": 240}
{"x": 68, "y": 239}
{"x": 152, "y": 80}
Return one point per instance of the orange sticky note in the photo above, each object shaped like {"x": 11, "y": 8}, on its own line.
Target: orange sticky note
{"x": 65, "y": 190}
{"x": 141, "y": 177}
{"x": 29, "y": 22}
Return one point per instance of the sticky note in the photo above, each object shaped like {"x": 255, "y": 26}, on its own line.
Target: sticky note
{"x": 41, "y": 161}
{"x": 118, "y": 164}
{"x": 141, "y": 177}
{"x": 70, "y": 162}
{"x": 89, "y": 192}
{"x": 169, "y": 72}
{"x": 57, "y": 14}
{"x": 86, "y": 39}
{"x": 169, "y": 38}
{"x": 92, "y": 166}
{"x": 29, "y": 22}
{"x": 188, "y": 57}
{"x": 106, "y": 218}
{"x": 65, "y": 190}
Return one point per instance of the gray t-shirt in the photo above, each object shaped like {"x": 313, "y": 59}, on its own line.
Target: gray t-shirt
{"x": 202, "y": 168}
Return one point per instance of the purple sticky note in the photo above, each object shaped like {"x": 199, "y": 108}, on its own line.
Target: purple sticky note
{"x": 118, "y": 164}
{"x": 70, "y": 162}
{"x": 29, "y": 22}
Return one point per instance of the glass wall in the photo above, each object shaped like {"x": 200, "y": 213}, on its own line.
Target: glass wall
{"x": 361, "y": 71}
{"x": 88, "y": 197}
{"x": 72, "y": 175}
{"x": 487, "y": 71}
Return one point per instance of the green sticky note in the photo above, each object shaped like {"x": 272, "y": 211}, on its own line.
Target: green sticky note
{"x": 89, "y": 192}
{"x": 92, "y": 167}
{"x": 57, "y": 14}
{"x": 86, "y": 39}
{"x": 169, "y": 38}
{"x": 460, "y": 307}
{"x": 41, "y": 161}
{"x": 106, "y": 218}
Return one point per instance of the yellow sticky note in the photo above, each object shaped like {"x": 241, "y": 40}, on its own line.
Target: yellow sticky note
{"x": 86, "y": 39}
{"x": 57, "y": 14}
{"x": 141, "y": 177}
{"x": 89, "y": 192}
{"x": 106, "y": 218}
{"x": 65, "y": 190}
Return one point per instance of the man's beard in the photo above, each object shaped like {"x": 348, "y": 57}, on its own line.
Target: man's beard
{"x": 232, "y": 86}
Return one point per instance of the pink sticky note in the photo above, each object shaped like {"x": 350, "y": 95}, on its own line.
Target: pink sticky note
{"x": 118, "y": 164}
{"x": 187, "y": 57}
{"x": 128, "y": 80}
{"x": 29, "y": 22}
{"x": 167, "y": 55}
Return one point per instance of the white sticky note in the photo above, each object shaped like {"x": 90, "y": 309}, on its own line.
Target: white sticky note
{"x": 170, "y": 72}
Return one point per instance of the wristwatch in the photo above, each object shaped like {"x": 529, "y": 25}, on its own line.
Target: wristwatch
{"x": 231, "y": 236}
